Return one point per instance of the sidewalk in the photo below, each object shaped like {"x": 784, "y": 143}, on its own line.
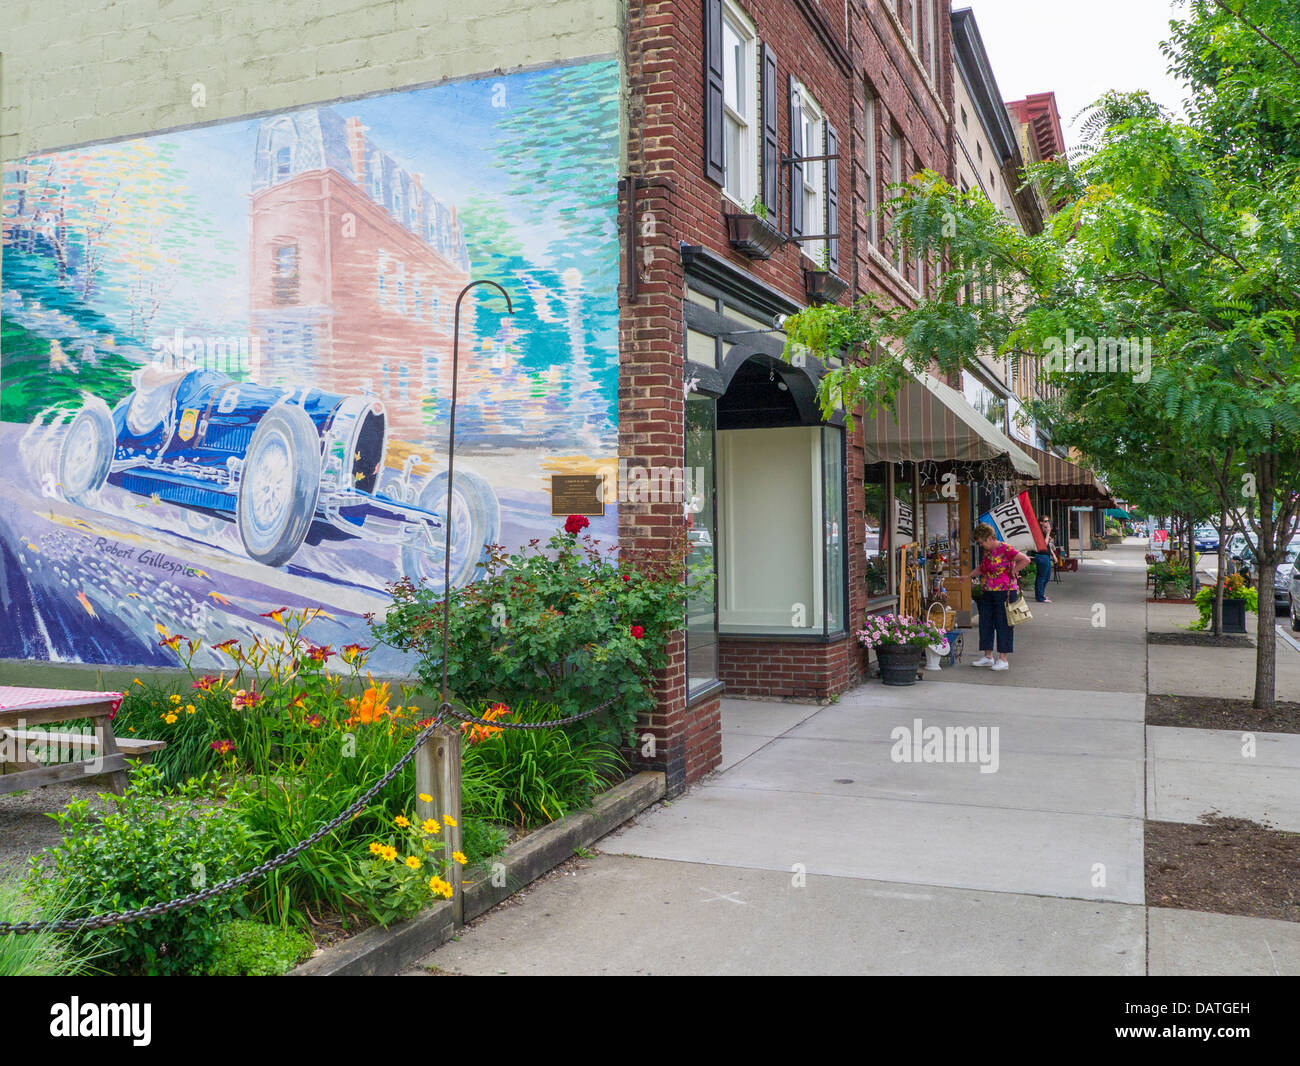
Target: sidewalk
{"x": 814, "y": 851}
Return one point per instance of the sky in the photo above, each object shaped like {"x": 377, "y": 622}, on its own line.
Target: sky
{"x": 1078, "y": 50}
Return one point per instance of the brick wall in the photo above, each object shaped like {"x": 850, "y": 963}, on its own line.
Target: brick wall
{"x": 778, "y": 669}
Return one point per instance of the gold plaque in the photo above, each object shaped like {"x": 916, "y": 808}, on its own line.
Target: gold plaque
{"x": 582, "y": 494}
{"x": 188, "y": 421}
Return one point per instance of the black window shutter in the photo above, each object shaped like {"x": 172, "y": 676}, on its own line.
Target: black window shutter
{"x": 714, "y": 153}
{"x": 832, "y": 199}
{"x": 796, "y": 169}
{"x": 771, "y": 134}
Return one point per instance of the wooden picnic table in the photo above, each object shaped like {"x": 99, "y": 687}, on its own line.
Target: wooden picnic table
{"x": 23, "y": 707}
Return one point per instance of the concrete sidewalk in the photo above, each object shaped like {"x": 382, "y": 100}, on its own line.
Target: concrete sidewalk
{"x": 814, "y": 850}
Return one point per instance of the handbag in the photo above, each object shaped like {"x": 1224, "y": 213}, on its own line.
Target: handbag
{"x": 1018, "y": 611}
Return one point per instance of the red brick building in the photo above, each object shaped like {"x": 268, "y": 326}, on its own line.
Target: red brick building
{"x": 764, "y": 134}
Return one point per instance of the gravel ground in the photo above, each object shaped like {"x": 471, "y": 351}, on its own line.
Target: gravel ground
{"x": 25, "y": 827}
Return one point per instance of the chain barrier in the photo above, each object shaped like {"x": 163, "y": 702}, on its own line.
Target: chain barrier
{"x": 100, "y": 921}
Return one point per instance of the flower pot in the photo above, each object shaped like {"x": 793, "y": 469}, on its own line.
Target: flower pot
{"x": 823, "y": 287}
{"x": 753, "y": 236}
{"x": 1234, "y": 616}
{"x": 899, "y": 663}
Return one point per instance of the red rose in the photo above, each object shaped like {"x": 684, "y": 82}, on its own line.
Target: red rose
{"x": 575, "y": 523}
{"x": 627, "y": 577}
{"x": 638, "y": 632}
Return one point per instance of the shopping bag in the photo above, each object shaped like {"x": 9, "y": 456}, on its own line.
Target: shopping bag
{"x": 1018, "y": 611}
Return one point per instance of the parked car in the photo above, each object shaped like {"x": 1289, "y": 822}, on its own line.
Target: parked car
{"x": 1282, "y": 579}
{"x": 287, "y": 465}
{"x": 1293, "y": 598}
{"x": 1206, "y": 539}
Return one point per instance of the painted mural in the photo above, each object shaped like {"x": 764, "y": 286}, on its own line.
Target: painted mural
{"x": 226, "y": 354}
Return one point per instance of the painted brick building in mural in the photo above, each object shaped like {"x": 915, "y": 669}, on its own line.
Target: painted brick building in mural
{"x": 355, "y": 266}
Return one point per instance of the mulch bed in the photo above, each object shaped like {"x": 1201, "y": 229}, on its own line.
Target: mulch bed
{"x": 1188, "y": 600}
{"x": 1226, "y": 866}
{"x": 1201, "y": 640}
{"x": 1215, "y": 712}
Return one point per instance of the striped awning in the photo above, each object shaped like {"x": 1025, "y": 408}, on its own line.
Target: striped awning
{"x": 933, "y": 421}
{"x": 1064, "y": 480}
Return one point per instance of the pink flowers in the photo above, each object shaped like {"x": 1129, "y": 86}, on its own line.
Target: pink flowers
{"x": 352, "y": 654}
{"x": 575, "y": 524}
{"x": 205, "y": 682}
{"x": 222, "y": 747}
{"x": 244, "y": 699}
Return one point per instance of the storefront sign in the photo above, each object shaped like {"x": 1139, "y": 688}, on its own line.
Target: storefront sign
{"x": 1014, "y": 523}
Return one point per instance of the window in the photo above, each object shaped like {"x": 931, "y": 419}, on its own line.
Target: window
{"x": 283, "y": 163}
{"x": 931, "y": 50}
{"x": 397, "y": 199}
{"x": 740, "y": 113}
{"x": 284, "y": 273}
{"x": 811, "y": 125}
{"x": 701, "y": 535}
{"x": 870, "y": 138}
{"x": 377, "y": 178}
{"x": 963, "y": 117}
{"x": 979, "y": 151}
{"x": 896, "y": 178}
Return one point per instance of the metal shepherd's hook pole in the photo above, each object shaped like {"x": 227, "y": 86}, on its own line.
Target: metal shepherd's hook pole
{"x": 451, "y": 455}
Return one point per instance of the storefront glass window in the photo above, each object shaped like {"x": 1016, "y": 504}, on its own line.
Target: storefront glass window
{"x": 833, "y": 523}
{"x": 876, "y": 519}
{"x": 701, "y": 530}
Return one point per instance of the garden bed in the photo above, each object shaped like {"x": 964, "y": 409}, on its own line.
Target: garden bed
{"x": 1187, "y": 600}
{"x": 1201, "y": 640}
{"x": 1225, "y": 866}
{"x": 379, "y": 951}
{"x": 1217, "y": 712}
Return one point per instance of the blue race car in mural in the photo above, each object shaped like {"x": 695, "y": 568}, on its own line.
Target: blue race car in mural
{"x": 287, "y": 465}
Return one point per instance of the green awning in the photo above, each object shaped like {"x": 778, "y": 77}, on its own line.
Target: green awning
{"x": 1116, "y": 512}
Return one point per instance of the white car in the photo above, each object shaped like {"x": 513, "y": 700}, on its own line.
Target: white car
{"x": 1293, "y": 598}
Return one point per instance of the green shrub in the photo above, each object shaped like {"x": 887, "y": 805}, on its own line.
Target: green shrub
{"x": 568, "y": 625}
{"x": 254, "y": 949}
{"x": 1235, "y": 589}
{"x": 481, "y": 840}
{"x": 148, "y": 848}
{"x": 38, "y": 954}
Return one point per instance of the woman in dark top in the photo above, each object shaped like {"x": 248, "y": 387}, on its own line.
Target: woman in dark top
{"x": 1043, "y": 563}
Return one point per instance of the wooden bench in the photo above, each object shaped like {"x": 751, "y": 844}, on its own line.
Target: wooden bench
{"x": 85, "y": 745}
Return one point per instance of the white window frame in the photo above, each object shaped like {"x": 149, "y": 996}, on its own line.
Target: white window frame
{"x": 813, "y": 128}
{"x": 930, "y": 45}
{"x": 873, "y": 192}
{"x": 896, "y": 178}
{"x": 740, "y": 183}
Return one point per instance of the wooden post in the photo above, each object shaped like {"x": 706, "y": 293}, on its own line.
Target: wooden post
{"x": 437, "y": 774}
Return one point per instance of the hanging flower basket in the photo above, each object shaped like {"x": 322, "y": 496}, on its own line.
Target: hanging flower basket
{"x": 823, "y": 287}
{"x": 753, "y": 236}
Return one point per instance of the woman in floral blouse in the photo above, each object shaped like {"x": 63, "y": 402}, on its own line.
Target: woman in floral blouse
{"x": 1000, "y": 571}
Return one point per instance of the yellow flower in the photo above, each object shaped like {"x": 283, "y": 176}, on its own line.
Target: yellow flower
{"x": 401, "y": 821}
{"x": 175, "y": 698}
{"x": 170, "y": 719}
{"x": 425, "y": 797}
{"x": 413, "y": 862}
{"x": 449, "y": 820}
{"x": 376, "y": 848}
{"x": 190, "y": 708}
{"x": 439, "y": 887}
{"x": 459, "y": 856}
{"x": 137, "y": 681}
{"x": 430, "y": 826}
{"x": 389, "y": 853}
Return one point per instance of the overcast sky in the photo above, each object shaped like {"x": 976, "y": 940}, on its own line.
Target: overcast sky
{"x": 1078, "y": 50}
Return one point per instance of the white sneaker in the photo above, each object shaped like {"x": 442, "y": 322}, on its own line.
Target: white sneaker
{"x": 1002, "y": 664}
{"x": 983, "y": 661}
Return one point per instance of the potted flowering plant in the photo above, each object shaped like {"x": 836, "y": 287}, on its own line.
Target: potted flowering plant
{"x": 1238, "y": 598}
{"x": 900, "y": 643}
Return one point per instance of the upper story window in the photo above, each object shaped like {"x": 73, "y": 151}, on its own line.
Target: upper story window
{"x": 377, "y": 178}
{"x": 283, "y": 163}
{"x": 869, "y": 137}
{"x": 931, "y": 31}
{"x": 810, "y": 123}
{"x": 415, "y": 215}
{"x": 896, "y": 178}
{"x": 740, "y": 111}
{"x": 397, "y": 200}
